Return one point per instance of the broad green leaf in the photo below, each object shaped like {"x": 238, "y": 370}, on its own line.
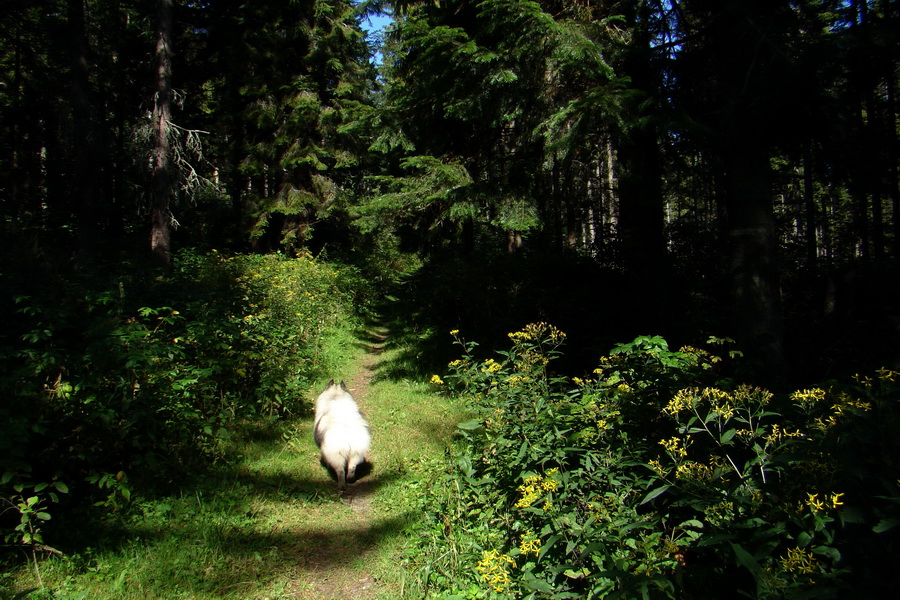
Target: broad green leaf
{"x": 746, "y": 560}
{"x": 654, "y": 493}
{"x": 885, "y": 525}
{"x": 832, "y": 553}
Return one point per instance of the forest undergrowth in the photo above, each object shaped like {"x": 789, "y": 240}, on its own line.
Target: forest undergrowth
{"x": 163, "y": 450}
{"x": 660, "y": 475}
{"x": 156, "y": 442}
{"x": 269, "y": 523}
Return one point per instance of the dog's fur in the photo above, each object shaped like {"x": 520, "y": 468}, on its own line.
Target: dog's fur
{"x": 342, "y": 434}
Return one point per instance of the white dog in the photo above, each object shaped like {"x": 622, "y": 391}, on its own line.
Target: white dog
{"x": 342, "y": 434}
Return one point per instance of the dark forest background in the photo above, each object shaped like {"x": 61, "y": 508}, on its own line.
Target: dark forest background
{"x": 617, "y": 167}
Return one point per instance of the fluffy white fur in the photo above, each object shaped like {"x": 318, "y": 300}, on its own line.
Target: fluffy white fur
{"x": 341, "y": 433}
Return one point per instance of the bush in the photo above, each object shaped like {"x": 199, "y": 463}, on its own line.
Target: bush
{"x": 658, "y": 476}
{"x": 108, "y": 389}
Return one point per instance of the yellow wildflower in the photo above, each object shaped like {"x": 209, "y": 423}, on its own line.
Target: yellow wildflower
{"x": 825, "y": 424}
{"x": 722, "y": 512}
{"x": 799, "y": 560}
{"x": 437, "y": 380}
{"x": 887, "y": 374}
{"x": 747, "y": 397}
{"x": 694, "y": 471}
{"x": 530, "y": 544}
{"x": 723, "y": 411}
{"x": 684, "y": 400}
{"x": 537, "y": 332}
{"x": 673, "y": 445}
{"x": 454, "y": 331}
{"x": 808, "y": 398}
{"x": 530, "y": 492}
{"x": 836, "y": 500}
{"x": 493, "y": 568}
{"x": 656, "y": 466}
{"x": 491, "y": 366}
{"x": 534, "y": 487}
{"x": 814, "y": 503}
{"x": 864, "y": 380}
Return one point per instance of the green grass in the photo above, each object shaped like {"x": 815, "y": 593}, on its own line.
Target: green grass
{"x": 270, "y": 524}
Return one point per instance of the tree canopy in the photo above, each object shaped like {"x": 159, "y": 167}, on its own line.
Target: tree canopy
{"x": 722, "y": 151}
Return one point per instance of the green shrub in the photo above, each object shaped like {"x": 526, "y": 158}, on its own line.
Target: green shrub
{"x": 132, "y": 384}
{"x": 659, "y": 477}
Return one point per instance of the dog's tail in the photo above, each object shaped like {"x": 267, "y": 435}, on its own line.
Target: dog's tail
{"x": 346, "y": 470}
{"x": 354, "y": 467}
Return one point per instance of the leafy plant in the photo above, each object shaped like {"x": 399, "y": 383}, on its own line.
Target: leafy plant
{"x": 30, "y": 501}
{"x": 658, "y": 476}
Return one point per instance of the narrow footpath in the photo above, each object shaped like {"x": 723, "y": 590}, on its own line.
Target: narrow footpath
{"x": 350, "y": 545}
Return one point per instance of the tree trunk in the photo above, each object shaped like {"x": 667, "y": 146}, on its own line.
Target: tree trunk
{"x": 87, "y": 170}
{"x": 809, "y": 202}
{"x": 513, "y": 241}
{"x": 641, "y": 206}
{"x": 160, "y": 234}
{"x": 641, "y": 210}
{"x": 754, "y": 263}
{"x": 893, "y": 186}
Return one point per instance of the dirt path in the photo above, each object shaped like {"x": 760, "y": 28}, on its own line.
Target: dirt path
{"x": 331, "y": 561}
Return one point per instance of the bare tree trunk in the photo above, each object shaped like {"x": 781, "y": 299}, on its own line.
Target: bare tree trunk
{"x": 87, "y": 168}
{"x": 754, "y": 264}
{"x": 809, "y": 201}
{"x": 893, "y": 181}
{"x": 639, "y": 178}
{"x": 160, "y": 234}
{"x": 513, "y": 241}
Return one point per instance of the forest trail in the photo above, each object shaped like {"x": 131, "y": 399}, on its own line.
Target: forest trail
{"x": 330, "y": 569}
{"x": 350, "y": 545}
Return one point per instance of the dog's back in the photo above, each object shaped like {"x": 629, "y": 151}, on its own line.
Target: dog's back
{"x": 341, "y": 433}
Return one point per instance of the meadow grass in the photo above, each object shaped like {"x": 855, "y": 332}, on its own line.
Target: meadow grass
{"x": 271, "y": 524}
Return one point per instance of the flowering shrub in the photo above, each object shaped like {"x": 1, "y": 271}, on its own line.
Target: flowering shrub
{"x": 657, "y": 476}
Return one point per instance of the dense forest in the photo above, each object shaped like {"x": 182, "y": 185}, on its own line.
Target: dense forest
{"x": 195, "y": 194}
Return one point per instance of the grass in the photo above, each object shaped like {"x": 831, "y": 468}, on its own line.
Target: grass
{"x": 271, "y": 524}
